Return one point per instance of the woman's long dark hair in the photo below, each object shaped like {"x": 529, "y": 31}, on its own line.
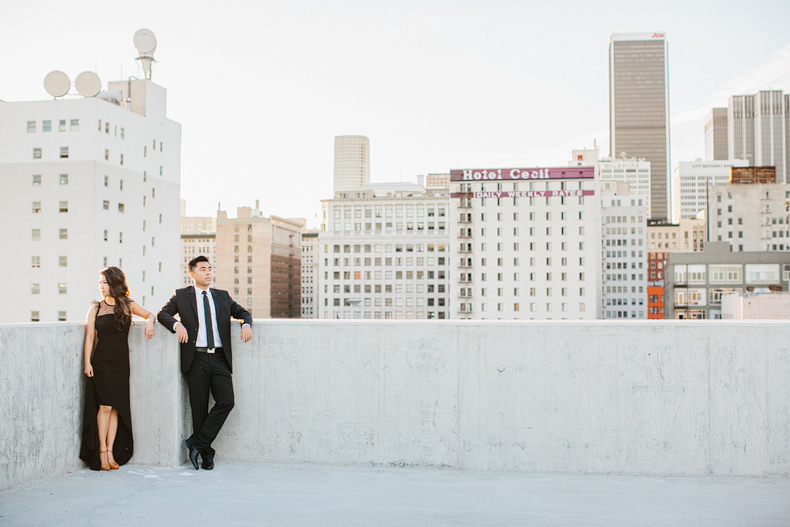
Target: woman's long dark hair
{"x": 119, "y": 291}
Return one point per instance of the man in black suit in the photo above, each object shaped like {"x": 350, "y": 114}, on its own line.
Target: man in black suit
{"x": 206, "y": 359}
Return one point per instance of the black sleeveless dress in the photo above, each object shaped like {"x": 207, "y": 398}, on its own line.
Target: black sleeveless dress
{"x": 109, "y": 386}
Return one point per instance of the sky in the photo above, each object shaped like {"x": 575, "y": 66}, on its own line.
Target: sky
{"x": 261, "y": 88}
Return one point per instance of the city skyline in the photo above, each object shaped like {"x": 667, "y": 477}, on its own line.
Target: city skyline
{"x": 434, "y": 87}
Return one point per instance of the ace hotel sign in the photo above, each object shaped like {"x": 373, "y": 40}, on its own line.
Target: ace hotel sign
{"x": 522, "y": 174}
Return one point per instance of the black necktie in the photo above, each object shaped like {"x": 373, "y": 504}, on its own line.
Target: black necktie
{"x": 209, "y": 326}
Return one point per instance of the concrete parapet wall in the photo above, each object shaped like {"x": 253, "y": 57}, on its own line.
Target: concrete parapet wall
{"x": 658, "y": 398}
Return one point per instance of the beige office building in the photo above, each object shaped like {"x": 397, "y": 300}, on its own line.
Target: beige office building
{"x": 751, "y": 217}
{"x": 352, "y": 162}
{"x": 259, "y": 262}
{"x": 639, "y": 108}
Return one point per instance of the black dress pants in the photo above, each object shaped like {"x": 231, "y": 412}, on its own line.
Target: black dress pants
{"x": 209, "y": 371}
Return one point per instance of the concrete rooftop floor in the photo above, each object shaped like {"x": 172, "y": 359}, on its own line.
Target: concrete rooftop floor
{"x": 240, "y": 494}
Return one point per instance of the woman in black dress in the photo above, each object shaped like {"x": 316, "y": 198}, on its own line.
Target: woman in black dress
{"x": 107, "y": 438}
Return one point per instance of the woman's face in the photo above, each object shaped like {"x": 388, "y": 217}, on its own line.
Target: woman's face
{"x": 104, "y": 289}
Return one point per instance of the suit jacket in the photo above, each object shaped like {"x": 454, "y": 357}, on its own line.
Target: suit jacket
{"x": 184, "y": 303}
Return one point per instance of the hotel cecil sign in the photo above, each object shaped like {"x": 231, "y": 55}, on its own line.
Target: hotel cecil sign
{"x": 521, "y": 174}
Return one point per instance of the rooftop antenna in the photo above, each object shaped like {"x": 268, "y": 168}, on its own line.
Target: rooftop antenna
{"x": 145, "y": 42}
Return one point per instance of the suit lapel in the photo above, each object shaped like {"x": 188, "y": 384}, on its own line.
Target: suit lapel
{"x": 192, "y": 300}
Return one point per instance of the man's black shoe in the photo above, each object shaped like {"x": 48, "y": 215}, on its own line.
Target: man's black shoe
{"x": 208, "y": 462}
{"x": 193, "y": 454}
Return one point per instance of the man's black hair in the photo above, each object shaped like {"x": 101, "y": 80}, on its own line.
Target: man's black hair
{"x": 196, "y": 260}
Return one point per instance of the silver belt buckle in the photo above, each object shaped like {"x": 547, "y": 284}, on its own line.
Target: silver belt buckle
{"x": 210, "y": 350}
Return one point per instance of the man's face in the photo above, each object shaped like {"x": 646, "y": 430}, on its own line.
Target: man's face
{"x": 201, "y": 276}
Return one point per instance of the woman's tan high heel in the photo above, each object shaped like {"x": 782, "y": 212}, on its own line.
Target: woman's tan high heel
{"x": 113, "y": 464}
{"x": 104, "y": 464}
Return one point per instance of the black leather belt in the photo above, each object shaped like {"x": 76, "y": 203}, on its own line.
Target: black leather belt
{"x": 208, "y": 350}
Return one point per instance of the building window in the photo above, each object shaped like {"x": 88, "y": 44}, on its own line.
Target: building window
{"x": 36, "y": 207}
{"x": 61, "y": 316}
{"x": 106, "y": 154}
{"x": 35, "y": 235}
{"x": 62, "y": 125}
{"x": 105, "y": 205}
{"x": 35, "y": 262}
{"x": 120, "y": 207}
{"x": 63, "y": 234}
{"x": 64, "y": 179}
{"x": 64, "y": 152}
{"x": 36, "y": 153}
{"x": 123, "y": 133}
{"x": 74, "y": 125}
{"x": 31, "y": 127}
{"x": 63, "y": 206}
{"x": 62, "y": 289}
{"x": 36, "y": 180}
{"x": 34, "y": 316}
{"x": 46, "y": 126}
{"x": 63, "y": 261}
{"x": 35, "y": 289}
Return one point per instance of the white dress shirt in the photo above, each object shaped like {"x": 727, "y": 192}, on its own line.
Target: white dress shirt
{"x": 201, "y": 336}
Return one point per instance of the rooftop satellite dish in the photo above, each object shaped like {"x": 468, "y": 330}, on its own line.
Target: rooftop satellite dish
{"x": 57, "y": 83}
{"x": 88, "y": 84}
{"x": 145, "y": 42}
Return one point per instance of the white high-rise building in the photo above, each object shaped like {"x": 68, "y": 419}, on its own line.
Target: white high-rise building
{"x": 310, "y": 274}
{"x": 639, "y": 108}
{"x": 624, "y": 252}
{"x": 635, "y": 172}
{"x": 694, "y": 178}
{"x": 751, "y": 217}
{"x": 528, "y": 243}
{"x": 385, "y": 254}
{"x": 352, "y": 162}
{"x": 88, "y": 182}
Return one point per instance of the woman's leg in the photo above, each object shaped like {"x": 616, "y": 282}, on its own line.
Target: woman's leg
{"x": 112, "y": 430}
{"x": 103, "y": 424}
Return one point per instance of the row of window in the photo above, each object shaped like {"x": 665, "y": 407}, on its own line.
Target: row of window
{"x": 387, "y": 212}
{"x": 389, "y": 247}
{"x": 63, "y": 261}
{"x": 46, "y": 126}
{"x": 730, "y": 273}
{"x": 35, "y": 288}
{"x": 399, "y": 261}
{"x": 387, "y": 288}
{"x": 347, "y": 314}
{"x": 388, "y": 302}
{"x": 399, "y": 275}
{"x": 35, "y": 316}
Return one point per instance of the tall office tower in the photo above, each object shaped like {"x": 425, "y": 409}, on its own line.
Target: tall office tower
{"x": 352, "y": 162}
{"x": 716, "y": 135}
{"x": 88, "y": 182}
{"x": 528, "y": 243}
{"x": 259, "y": 262}
{"x": 757, "y": 130}
{"x": 624, "y": 259}
{"x": 310, "y": 275}
{"x": 385, "y": 254}
{"x": 695, "y": 177}
{"x": 639, "y": 108}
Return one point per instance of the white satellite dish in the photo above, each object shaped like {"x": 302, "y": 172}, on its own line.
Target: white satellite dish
{"x": 145, "y": 41}
{"x": 88, "y": 84}
{"x": 57, "y": 83}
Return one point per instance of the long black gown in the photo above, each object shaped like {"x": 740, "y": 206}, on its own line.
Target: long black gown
{"x": 109, "y": 386}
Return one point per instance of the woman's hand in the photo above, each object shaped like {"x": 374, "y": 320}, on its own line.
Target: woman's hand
{"x": 149, "y": 327}
{"x": 89, "y": 370}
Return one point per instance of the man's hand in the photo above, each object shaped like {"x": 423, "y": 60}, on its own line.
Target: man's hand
{"x": 181, "y": 333}
{"x": 246, "y": 333}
